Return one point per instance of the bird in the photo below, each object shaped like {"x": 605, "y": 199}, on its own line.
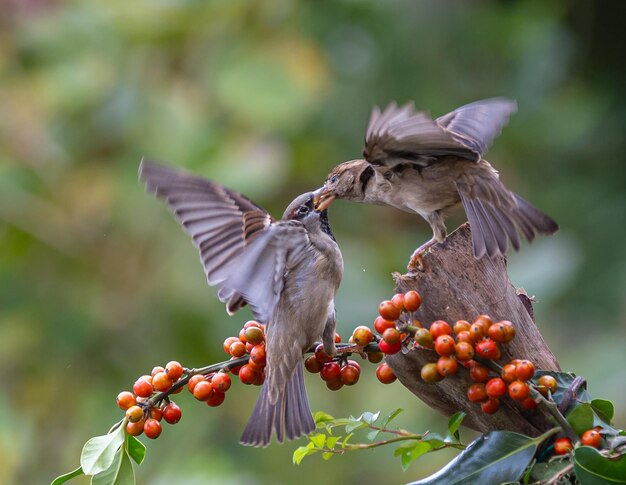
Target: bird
{"x": 288, "y": 271}
{"x": 428, "y": 166}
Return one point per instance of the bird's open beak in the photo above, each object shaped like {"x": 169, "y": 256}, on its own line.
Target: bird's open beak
{"x": 322, "y": 198}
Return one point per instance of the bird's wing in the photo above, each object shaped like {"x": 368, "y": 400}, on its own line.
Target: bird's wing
{"x": 475, "y": 125}
{"x": 221, "y": 222}
{"x": 259, "y": 275}
{"x": 401, "y": 133}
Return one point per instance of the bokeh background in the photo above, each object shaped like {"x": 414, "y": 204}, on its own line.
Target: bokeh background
{"x": 98, "y": 284}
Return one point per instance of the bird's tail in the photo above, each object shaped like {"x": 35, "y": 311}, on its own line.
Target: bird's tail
{"x": 289, "y": 417}
{"x": 494, "y": 226}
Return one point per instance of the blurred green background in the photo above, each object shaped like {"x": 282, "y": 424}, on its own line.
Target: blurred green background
{"x": 98, "y": 283}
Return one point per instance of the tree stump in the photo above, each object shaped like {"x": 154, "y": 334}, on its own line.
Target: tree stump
{"x": 456, "y": 286}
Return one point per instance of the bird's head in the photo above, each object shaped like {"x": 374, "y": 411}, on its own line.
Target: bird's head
{"x": 307, "y": 209}
{"x": 346, "y": 181}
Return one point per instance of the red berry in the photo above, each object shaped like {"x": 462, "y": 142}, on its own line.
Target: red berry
{"x": 202, "y": 391}
{"x": 237, "y": 349}
{"x": 509, "y": 373}
{"x": 312, "y": 364}
{"x": 337, "y": 338}
{"x": 375, "y": 357}
{"x": 464, "y": 337}
{"x": 384, "y": 373}
{"x": 529, "y": 403}
{"x": 125, "y": 400}
{"x": 142, "y": 388}
{"x": 156, "y": 370}
{"x": 321, "y": 356}
{"x": 391, "y": 336}
{"x": 477, "y": 392}
{"x": 191, "y": 384}
{"x": 221, "y": 382}
{"x": 591, "y": 437}
{"x": 388, "y": 310}
{"x": 215, "y": 399}
{"x": 161, "y": 382}
{"x": 491, "y": 405}
{"x": 135, "y": 429}
{"x": 228, "y": 342}
{"x": 156, "y": 413}
{"x": 247, "y": 374}
{"x": 242, "y": 336}
{"x": 563, "y": 446}
{"x": 388, "y": 348}
{"x": 519, "y": 390}
{"x": 439, "y": 327}
{"x": 497, "y": 332}
{"x": 350, "y": 375}
{"x": 461, "y": 326}
{"x": 398, "y": 300}
{"x": 334, "y": 385}
{"x": 259, "y": 379}
{"x": 258, "y": 355}
{"x": 546, "y": 383}
{"x": 447, "y": 366}
{"x": 525, "y": 370}
{"x": 254, "y": 335}
{"x": 252, "y": 323}
{"x": 331, "y": 371}
{"x": 484, "y": 320}
{"x": 487, "y": 349}
{"x": 172, "y": 413}
{"x": 444, "y": 345}
{"x": 362, "y": 335}
{"x": 495, "y": 387}
{"x": 464, "y": 351}
{"x": 477, "y": 332}
{"x": 412, "y": 300}
{"x": 152, "y": 428}
{"x": 479, "y": 373}
{"x": 174, "y": 370}
{"x": 429, "y": 373}
{"x": 354, "y": 363}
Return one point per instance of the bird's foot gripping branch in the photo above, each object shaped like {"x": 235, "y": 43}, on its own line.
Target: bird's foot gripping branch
{"x": 579, "y": 439}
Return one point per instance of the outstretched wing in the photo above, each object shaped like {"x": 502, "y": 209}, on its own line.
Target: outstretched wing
{"x": 475, "y": 125}
{"x": 221, "y": 222}
{"x": 259, "y": 275}
{"x": 402, "y": 133}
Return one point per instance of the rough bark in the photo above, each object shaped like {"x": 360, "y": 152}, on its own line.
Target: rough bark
{"x": 455, "y": 286}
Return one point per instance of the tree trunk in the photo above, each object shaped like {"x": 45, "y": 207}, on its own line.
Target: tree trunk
{"x": 456, "y": 286}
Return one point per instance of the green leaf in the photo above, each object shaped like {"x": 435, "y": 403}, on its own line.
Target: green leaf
{"x": 327, "y": 455}
{"x": 434, "y": 439}
{"x": 564, "y": 379}
{"x": 604, "y": 409}
{"x": 371, "y": 436}
{"x": 354, "y": 426}
{"x": 391, "y": 417}
{"x": 301, "y": 452}
{"x": 455, "y": 421}
{"x": 67, "y": 476}
{"x": 545, "y": 471}
{"x": 99, "y": 452}
{"x": 594, "y": 469}
{"x": 345, "y": 440}
{"x": 331, "y": 441}
{"x": 496, "y": 457}
{"x": 119, "y": 473}
{"x": 318, "y": 440}
{"x": 321, "y": 418}
{"x": 581, "y": 418}
{"x": 136, "y": 449}
{"x": 410, "y": 453}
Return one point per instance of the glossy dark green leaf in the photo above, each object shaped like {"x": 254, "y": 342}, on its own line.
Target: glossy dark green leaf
{"x": 453, "y": 424}
{"x": 136, "y": 449}
{"x": 545, "y": 471}
{"x": 564, "y": 380}
{"x": 604, "y": 409}
{"x": 581, "y": 418}
{"x": 592, "y": 468}
{"x": 99, "y": 452}
{"x": 496, "y": 457}
{"x": 67, "y": 476}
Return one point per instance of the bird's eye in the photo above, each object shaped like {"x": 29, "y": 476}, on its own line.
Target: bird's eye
{"x": 303, "y": 210}
{"x": 333, "y": 179}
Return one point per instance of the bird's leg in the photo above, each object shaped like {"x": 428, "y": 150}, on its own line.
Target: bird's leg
{"x": 435, "y": 219}
{"x": 416, "y": 261}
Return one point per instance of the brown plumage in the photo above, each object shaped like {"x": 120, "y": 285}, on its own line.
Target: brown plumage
{"x": 288, "y": 271}
{"x": 426, "y": 166}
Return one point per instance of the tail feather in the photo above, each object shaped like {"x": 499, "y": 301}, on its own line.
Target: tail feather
{"x": 289, "y": 417}
{"x": 493, "y": 226}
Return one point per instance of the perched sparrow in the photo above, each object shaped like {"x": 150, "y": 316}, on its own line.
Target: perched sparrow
{"x": 427, "y": 166}
{"x": 287, "y": 271}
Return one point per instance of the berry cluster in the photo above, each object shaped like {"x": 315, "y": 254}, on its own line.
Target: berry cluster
{"x": 336, "y": 371}
{"x": 143, "y": 415}
{"x": 591, "y": 437}
{"x": 251, "y": 341}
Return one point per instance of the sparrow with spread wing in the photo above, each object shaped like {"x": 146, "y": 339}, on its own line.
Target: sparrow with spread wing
{"x": 287, "y": 271}
{"x": 426, "y": 166}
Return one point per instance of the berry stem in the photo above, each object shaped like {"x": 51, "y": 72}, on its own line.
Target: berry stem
{"x": 552, "y": 409}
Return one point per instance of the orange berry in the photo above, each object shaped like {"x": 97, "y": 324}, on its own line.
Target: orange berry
{"x": 142, "y": 388}
{"x": 321, "y": 356}
{"x": 487, "y": 349}
{"x": 191, "y": 384}
{"x": 125, "y": 400}
{"x": 562, "y": 446}
{"x": 337, "y": 338}
{"x": 254, "y": 335}
{"x": 525, "y": 370}
{"x": 156, "y": 370}
{"x": 391, "y": 336}
{"x": 444, "y": 345}
{"x": 380, "y": 324}
{"x": 412, "y": 300}
{"x": 203, "y": 390}
{"x": 447, "y": 366}
{"x": 384, "y": 374}
{"x": 464, "y": 351}
{"x": 484, "y": 320}
{"x": 247, "y": 374}
{"x": 591, "y": 437}
{"x": 477, "y": 332}
{"x": 479, "y": 373}
{"x": 221, "y": 382}
{"x": 350, "y": 375}
{"x": 156, "y": 413}
{"x": 546, "y": 383}
{"x": 152, "y": 428}
{"x": 461, "y": 326}
{"x": 495, "y": 387}
{"x": 424, "y": 338}
{"x": 172, "y": 413}
{"x": 252, "y": 323}
{"x": 215, "y": 399}
{"x": 388, "y": 310}
{"x": 161, "y": 382}
{"x": 398, "y": 301}
{"x": 330, "y": 372}
{"x": 464, "y": 337}
{"x": 439, "y": 327}
{"x": 134, "y": 414}
{"x": 529, "y": 403}
{"x": 228, "y": 342}
{"x": 258, "y": 355}
{"x": 237, "y": 349}
{"x": 509, "y": 373}
{"x": 491, "y": 405}
{"x": 362, "y": 335}
{"x": 477, "y": 392}
{"x": 135, "y": 429}
{"x": 429, "y": 373}
{"x": 173, "y": 370}
{"x": 519, "y": 390}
